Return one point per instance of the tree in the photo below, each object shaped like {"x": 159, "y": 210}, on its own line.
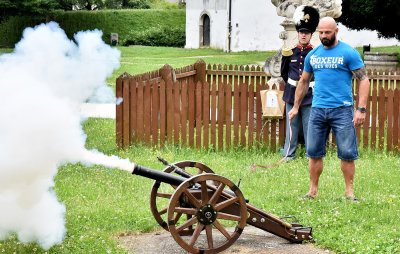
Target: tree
{"x": 40, "y": 7}
{"x": 26, "y": 7}
{"x": 381, "y": 16}
{"x": 127, "y": 4}
{"x": 103, "y": 4}
{"x": 88, "y": 5}
{"x": 136, "y": 4}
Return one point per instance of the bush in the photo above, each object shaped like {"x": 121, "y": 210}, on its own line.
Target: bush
{"x": 11, "y": 29}
{"x": 138, "y": 4}
{"x": 149, "y": 27}
{"x": 157, "y": 36}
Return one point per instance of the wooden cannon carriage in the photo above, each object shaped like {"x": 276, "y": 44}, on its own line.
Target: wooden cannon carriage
{"x": 205, "y": 212}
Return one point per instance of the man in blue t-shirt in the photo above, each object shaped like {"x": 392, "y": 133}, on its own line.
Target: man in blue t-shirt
{"x": 333, "y": 64}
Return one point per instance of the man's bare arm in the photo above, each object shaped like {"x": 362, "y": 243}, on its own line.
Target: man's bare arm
{"x": 302, "y": 88}
{"x": 301, "y": 91}
{"x": 363, "y": 93}
{"x": 361, "y": 75}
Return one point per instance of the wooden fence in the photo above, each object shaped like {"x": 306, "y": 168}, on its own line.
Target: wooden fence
{"x": 219, "y": 107}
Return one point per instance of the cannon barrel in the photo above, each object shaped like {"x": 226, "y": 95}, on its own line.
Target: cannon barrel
{"x": 158, "y": 175}
{"x": 168, "y": 177}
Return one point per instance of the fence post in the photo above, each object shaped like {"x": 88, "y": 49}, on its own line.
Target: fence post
{"x": 118, "y": 112}
{"x": 122, "y": 108}
{"x": 200, "y": 67}
{"x": 167, "y": 73}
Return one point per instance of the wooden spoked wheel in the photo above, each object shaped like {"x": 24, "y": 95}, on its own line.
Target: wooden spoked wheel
{"x": 220, "y": 216}
{"x": 162, "y": 192}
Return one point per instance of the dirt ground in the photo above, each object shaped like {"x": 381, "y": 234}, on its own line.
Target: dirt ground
{"x": 251, "y": 241}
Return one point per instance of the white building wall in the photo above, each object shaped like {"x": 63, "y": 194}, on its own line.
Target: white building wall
{"x": 255, "y": 26}
{"x": 192, "y": 28}
{"x": 218, "y": 13}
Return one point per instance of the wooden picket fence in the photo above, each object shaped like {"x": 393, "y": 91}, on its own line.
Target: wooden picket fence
{"x": 381, "y": 131}
{"x": 219, "y": 107}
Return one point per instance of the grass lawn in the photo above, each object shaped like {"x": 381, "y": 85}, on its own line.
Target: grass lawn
{"x": 102, "y": 203}
{"x": 140, "y": 59}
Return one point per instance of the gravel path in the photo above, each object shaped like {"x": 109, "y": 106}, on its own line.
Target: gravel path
{"x": 251, "y": 241}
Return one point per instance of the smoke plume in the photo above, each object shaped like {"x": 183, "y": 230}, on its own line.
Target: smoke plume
{"x": 42, "y": 83}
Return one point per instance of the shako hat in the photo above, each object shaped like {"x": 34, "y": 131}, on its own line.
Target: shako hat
{"x": 306, "y": 18}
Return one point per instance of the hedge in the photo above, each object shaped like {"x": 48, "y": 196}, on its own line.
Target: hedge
{"x": 134, "y": 27}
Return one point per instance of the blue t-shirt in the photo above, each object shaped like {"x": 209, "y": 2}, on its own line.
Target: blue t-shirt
{"x": 332, "y": 74}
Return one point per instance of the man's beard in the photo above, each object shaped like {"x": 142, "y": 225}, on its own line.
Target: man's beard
{"x": 328, "y": 42}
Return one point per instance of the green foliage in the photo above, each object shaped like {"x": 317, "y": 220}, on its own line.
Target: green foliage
{"x": 373, "y": 15}
{"x": 5, "y": 50}
{"x": 116, "y": 4}
{"x": 165, "y": 26}
{"x": 33, "y": 7}
{"x": 26, "y": 7}
{"x": 127, "y": 23}
{"x": 137, "y": 4}
{"x": 86, "y": 4}
{"x": 91, "y": 5}
{"x": 11, "y": 29}
{"x": 158, "y": 36}
{"x": 163, "y": 4}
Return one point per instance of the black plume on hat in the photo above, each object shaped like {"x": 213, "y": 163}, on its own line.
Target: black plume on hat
{"x": 306, "y": 18}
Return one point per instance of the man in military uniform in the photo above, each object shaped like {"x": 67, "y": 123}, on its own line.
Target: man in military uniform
{"x": 306, "y": 20}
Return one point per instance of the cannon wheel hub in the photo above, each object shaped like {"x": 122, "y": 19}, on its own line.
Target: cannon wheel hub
{"x": 161, "y": 192}
{"x": 213, "y": 204}
{"x": 207, "y": 214}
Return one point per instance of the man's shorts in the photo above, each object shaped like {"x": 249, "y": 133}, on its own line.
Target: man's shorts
{"x": 340, "y": 121}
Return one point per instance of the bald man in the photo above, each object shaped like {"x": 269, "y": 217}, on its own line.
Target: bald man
{"x": 333, "y": 64}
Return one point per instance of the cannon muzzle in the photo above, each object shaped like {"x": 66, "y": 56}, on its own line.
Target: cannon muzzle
{"x": 158, "y": 175}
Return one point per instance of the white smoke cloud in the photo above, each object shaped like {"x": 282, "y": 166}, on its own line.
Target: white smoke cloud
{"x": 42, "y": 84}
{"x": 95, "y": 157}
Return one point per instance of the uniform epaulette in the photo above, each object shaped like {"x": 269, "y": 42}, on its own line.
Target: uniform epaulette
{"x": 287, "y": 52}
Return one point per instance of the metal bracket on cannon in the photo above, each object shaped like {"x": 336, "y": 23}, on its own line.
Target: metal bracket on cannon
{"x": 205, "y": 212}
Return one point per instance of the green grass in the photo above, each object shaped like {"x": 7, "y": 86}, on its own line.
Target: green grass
{"x": 5, "y": 50}
{"x": 103, "y": 203}
{"x": 140, "y": 59}
{"x": 386, "y": 49}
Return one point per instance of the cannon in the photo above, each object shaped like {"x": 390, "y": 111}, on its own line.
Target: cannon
{"x": 205, "y": 212}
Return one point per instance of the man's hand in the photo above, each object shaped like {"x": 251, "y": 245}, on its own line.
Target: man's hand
{"x": 359, "y": 118}
{"x": 293, "y": 113}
